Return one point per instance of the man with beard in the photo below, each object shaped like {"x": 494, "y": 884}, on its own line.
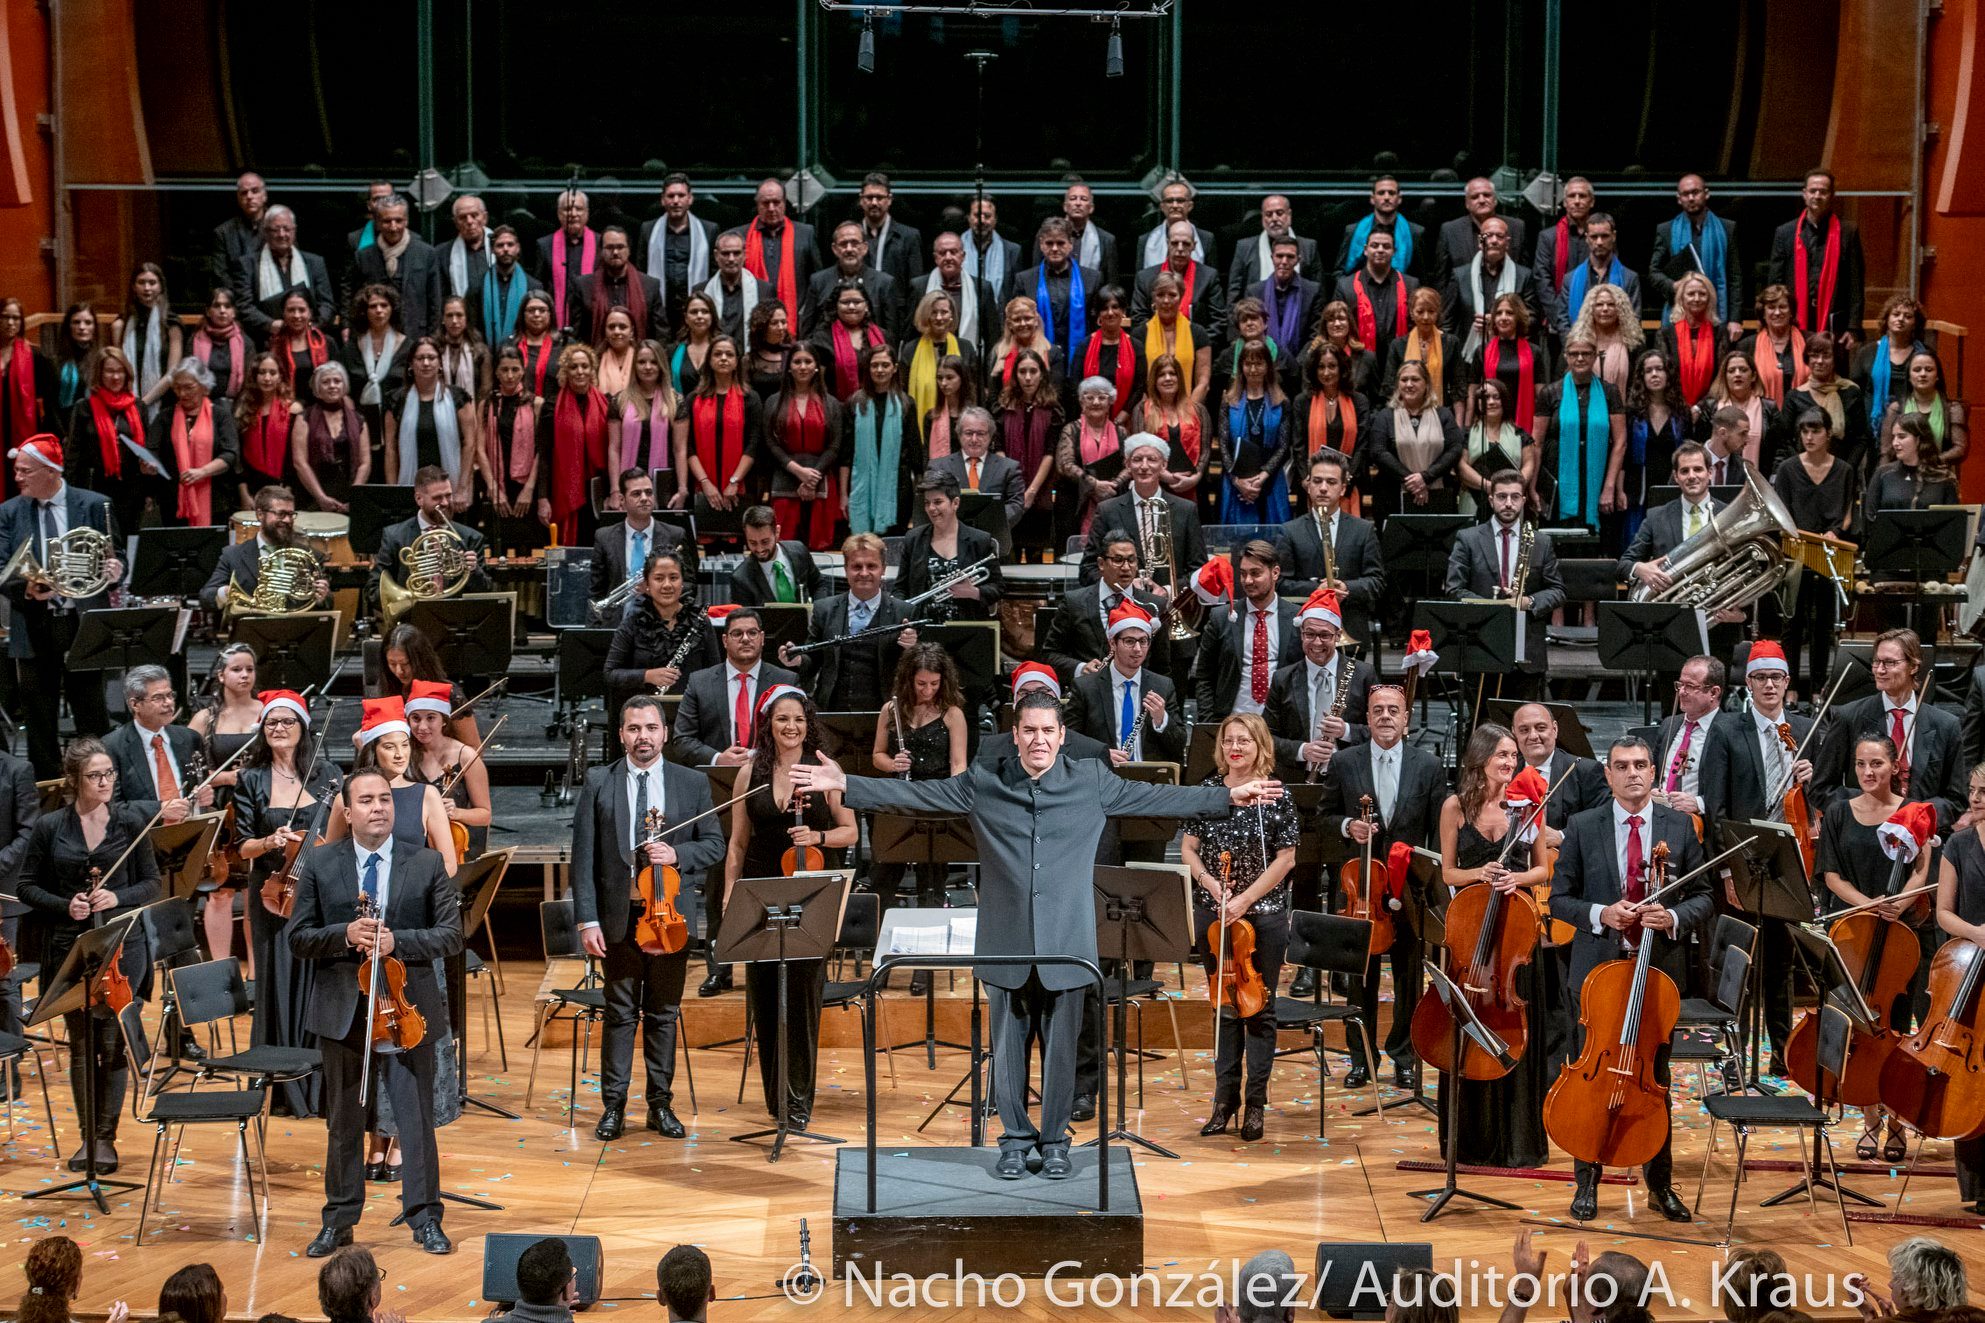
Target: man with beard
{"x": 240, "y": 566}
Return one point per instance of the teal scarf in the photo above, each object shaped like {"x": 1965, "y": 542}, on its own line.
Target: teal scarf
{"x": 1402, "y": 243}
{"x": 874, "y": 475}
{"x": 1583, "y": 443}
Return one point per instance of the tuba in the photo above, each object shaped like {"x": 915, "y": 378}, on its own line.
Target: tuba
{"x": 1737, "y": 559}
{"x": 437, "y": 565}
{"x": 285, "y": 583}
{"x": 78, "y": 564}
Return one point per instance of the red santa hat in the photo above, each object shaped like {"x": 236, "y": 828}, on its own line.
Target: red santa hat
{"x": 1036, "y": 673}
{"x": 431, "y": 696}
{"x": 1527, "y": 787}
{"x": 1322, "y": 605}
{"x": 1420, "y": 655}
{"x": 1766, "y": 655}
{"x": 1129, "y": 615}
{"x": 1398, "y": 860}
{"x": 284, "y": 698}
{"x": 1909, "y": 831}
{"x": 382, "y": 716}
{"x": 45, "y": 448}
{"x": 773, "y": 695}
{"x": 719, "y": 611}
{"x": 1213, "y": 582}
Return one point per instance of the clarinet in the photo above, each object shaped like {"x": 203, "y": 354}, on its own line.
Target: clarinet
{"x": 1338, "y": 703}
{"x": 681, "y": 651}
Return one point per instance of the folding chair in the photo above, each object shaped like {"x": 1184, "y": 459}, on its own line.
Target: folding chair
{"x": 1329, "y": 944}
{"x": 587, "y": 1001}
{"x": 213, "y": 992}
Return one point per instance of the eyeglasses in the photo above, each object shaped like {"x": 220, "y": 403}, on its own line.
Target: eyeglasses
{"x": 1122, "y": 560}
{"x": 1886, "y": 663}
{"x": 1685, "y": 686}
{"x": 107, "y": 775}
{"x": 280, "y": 723}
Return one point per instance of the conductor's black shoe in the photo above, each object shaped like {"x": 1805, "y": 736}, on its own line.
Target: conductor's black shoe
{"x": 1585, "y": 1204}
{"x": 328, "y": 1242}
{"x": 1669, "y": 1204}
{"x": 1012, "y": 1164}
{"x": 190, "y": 1049}
{"x": 1304, "y": 984}
{"x": 1358, "y": 1076}
{"x": 1405, "y": 1072}
{"x": 1055, "y": 1164}
{"x": 716, "y": 985}
{"x": 613, "y": 1122}
{"x": 433, "y": 1239}
{"x": 1252, "y": 1123}
{"x": 1084, "y": 1108}
{"x": 663, "y": 1121}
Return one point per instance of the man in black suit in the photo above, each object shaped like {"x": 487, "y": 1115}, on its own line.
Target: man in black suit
{"x": 44, "y": 625}
{"x": 408, "y": 263}
{"x": 772, "y": 570}
{"x": 1472, "y": 286}
{"x": 1302, "y": 711}
{"x": 1601, "y": 879}
{"x": 1561, "y": 245}
{"x": 1175, "y": 199}
{"x": 989, "y": 256}
{"x": 1601, "y": 267}
{"x": 978, "y": 304}
{"x": 1536, "y": 733}
{"x": 1071, "y": 286}
{"x": 1360, "y": 579}
{"x": 1669, "y": 525}
{"x": 773, "y": 229}
{"x": 892, "y": 246}
{"x": 1930, "y": 760}
{"x": 1253, "y": 260}
{"x": 1137, "y": 513}
{"x": 266, "y": 273}
{"x": 497, "y": 300}
{"x": 975, "y": 468}
{"x": 1126, "y": 705}
{"x": 621, "y": 550}
{"x": 240, "y": 565}
{"x": 1077, "y": 639}
{"x": 418, "y": 922}
{"x": 886, "y": 298}
{"x": 856, "y": 676}
{"x": 1290, "y": 302}
{"x": 1243, "y": 643}
{"x": 1409, "y": 253}
{"x": 235, "y": 237}
{"x": 1090, "y": 245}
{"x": 1818, "y": 231}
{"x": 611, "y": 841}
{"x": 1484, "y": 562}
{"x": 1378, "y": 295}
{"x": 434, "y": 504}
{"x": 677, "y": 248}
{"x": 617, "y": 283}
{"x": 1206, "y": 297}
{"x": 20, "y": 805}
{"x": 152, "y": 756}
{"x": 1406, "y": 787}
{"x": 567, "y": 253}
{"x": 1708, "y": 243}
{"x": 1460, "y": 239}
{"x": 1682, "y": 739}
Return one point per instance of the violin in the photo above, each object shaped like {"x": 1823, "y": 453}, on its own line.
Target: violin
{"x": 1550, "y": 931}
{"x": 801, "y": 858}
{"x": 1797, "y": 816}
{"x": 110, "y": 990}
{"x": 1606, "y": 1106}
{"x": 397, "y": 1024}
{"x": 1934, "y": 1082}
{"x": 1882, "y": 955}
{"x": 1237, "y": 984}
{"x": 1365, "y": 881}
{"x": 661, "y": 929}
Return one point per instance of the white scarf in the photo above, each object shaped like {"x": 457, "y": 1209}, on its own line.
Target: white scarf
{"x": 150, "y": 365}
{"x": 993, "y": 269}
{"x": 1264, "y": 255}
{"x": 699, "y": 257}
{"x": 1089, "y": 251}
{"x": 372, "y": 361}
{"x": 1157, "y": 248}
{"x": 447, "y": 434}
{"x": 1417, "y": 443}
{"x": 1505, "y": 283}
{"x": 747, "y": 286}
{"x": 968, "y": 304}
{"x": 458, "y": 265}
{"x": 392, "y": 253}
{"x": 458, "y": 368}
{"x": 878, "y": 243}
{"x": 269, "y": 282}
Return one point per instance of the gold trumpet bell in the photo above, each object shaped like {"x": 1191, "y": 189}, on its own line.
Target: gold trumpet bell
{"x": 22, "y": 566}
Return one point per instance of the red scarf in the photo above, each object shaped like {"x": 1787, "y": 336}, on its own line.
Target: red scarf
{"x": 1367, "y": 318}
{"x": 847, "y": 359}
{"x": 1695, "y": 351}
{"x": 803, "y": 429}
{"x": 754, "y": 262}
{"x": 589, "y": 247}
{"x": 1092, "y": 359}
{"x": 537, "y": 361}
{"x": 1829, "y": 272}
{"x": 319, "y": 350}
{"x": 636, "y": 305}
{"x": 237, "y": 354}
{"x": 104, "y": 408}
{"x": 192, "y": 447}
{"x": 578, "y": 451}
{"x": 523, "y": 447}
{"x": 1185, "y": 298}
{"x": 265, "y": 441}
{"x": 1771, "y": 380}
{"x": 1187, "y": 421}
{"x": 716, "y": 430}
{"x": 1525, "y": 408}
{"x": 23, "y": 416}
{"x": 1561, "y": 257}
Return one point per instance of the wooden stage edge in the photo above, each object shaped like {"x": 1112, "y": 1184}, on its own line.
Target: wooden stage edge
{"x": 1205, "y": 1213}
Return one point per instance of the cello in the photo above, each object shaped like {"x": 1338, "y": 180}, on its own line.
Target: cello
{"x": 661, "y": 929}
{"x": 801, "y": 858}
{"x": 1882, "y": 954}
{"x": 1934, "y": 1082}
{"x": 1606, "y": 1107}
{"x": 1364, "y": 881}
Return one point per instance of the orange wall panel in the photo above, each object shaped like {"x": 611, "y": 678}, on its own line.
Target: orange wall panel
{"x": 26, "y": 213}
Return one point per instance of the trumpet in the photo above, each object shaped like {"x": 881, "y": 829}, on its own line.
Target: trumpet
{"x": 975, "y": 573}
{"x": 618, "y": 598}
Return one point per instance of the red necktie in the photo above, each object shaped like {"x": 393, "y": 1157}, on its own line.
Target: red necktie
{"x": 1899, "y": 736}
{"x": 162, "y": 770}
{"x": 1258, "y": 680}
{"x": 1636, "y": 888}
{"x": 1502, "y": 567}
{"x": 741, "y": 716}
{"x": 1719, "y": 473}
{"x": 1679, "y": 766}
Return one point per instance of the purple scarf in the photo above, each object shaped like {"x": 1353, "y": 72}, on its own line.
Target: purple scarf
{"x": 1282, "y": 313}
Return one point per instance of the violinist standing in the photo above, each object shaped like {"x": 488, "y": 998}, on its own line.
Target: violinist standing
{"x": 609, "y": 848}
{"x": 420, "y": 923}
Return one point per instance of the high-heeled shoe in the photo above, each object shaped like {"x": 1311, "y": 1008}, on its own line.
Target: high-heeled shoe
{"x": 1252, "y": 1122}
{"x": 1896, "y": 1147}
{"x": 1216, "y": 1124}
{"x": 375, "y": 1172}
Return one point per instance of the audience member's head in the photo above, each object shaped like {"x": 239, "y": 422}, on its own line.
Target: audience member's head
{"x": 1420, "y": 1296}
{"x": 1611, "y": 1283}
{"x": 1752, "y": 1281}
{"x": 54, "y": 1271}
{"x": 195, "y": 1294}
{"x": 545, "y": 1273}
{"x": 1265, "y": 1285}
{"x": 1926, "y": 1275}
{"x": 348, "y": 1285}
{"x": 682, "y": 1279}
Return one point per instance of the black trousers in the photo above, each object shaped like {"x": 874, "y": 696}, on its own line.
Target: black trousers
{"x": 43, "y": 680}
{"x": 1252, "y": 1037}
{"x": 806, "y": 983}
{"x": 713, "y": 915}
{"x": 1016, "y": 1017}
{"x": 644, "y": 989}
{"x": 1811, "y": 629}
{"x": 408, "y": 1080}
{"x": 99, "y": 1036}
{"x": 1660, "y": 1171}
{"x": 1407, "y": 976}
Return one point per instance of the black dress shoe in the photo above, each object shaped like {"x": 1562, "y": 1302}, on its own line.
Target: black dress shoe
{"x": 80, "y": 1161}
{"x": 1406, "y": 1073}
{"x": 1304, "y": 984}
{"x": 433, "y": 1239}
{"x": 1358, "y": 1076}
{"x": 1585, "y": 1203}
{"x": 1669, "y": 1204}
{"x": 190, "y": 1049}
{"x": 663, "y": 1122}
{"x": 1012, "y": 1164}
{"x": 715, "y": 985}
{"x": 613, "y": 1122}
{"x": 392, "y": 1174}
{"x": 1055, "y": 1164}
{"x": 328, "y": 1242}
{"x": 1222, "y": 1116}
{"x": 1084, "y": 1108}
{"x": 1252, "y": 1123}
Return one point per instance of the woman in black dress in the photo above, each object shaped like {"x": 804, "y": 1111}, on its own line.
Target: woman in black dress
{"x": 1259, "y": 845}
{"x": 919, "y": 736}
{"x": 277, "y": 798}
{"x": 1823, "y": 493}
{"x": 67, "y": 882}
{"x": 1961, "y": 914}
{"x": 1657, "y": 422}
{"x": 1502, "y": 1120}
{"x": 439, "y": 759}
{"x": 427, "y": 423}
{"x": 657, "y": 642}
{"x": 763, "y": 828}
{"x": 225, "y": 725}
{"x": 1914, "y": 476}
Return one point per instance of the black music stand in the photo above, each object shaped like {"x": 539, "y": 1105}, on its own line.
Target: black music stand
{"x": 1472, "y": 638}
{"x": 1916, "y": 546}
{"x": 1769, "y": 877}
{"x": 291, "y": 652}
{"x": 779, "y": 920}
{"x": 175, "y": 562}
{"x": 70, "y": 990}
{"x": 1152, "y": 913}
{"x": 1418, "y": 544}
{"x": 116, "y": 639}
{"x": 1654, "y": 638}
{"x": 931, "y": 843}
{"x": 473, "y": 634}
{"x": 785, "y": 622}
{"x": 1148, "y": 829}
{"x": 848, "y": 738}
{"x": 1467, "y": 1029}
{"x": 182, "y": 848}
{"x": 376, "y": 506}
{"x": 1840, "y": 989}
{"x": 1199, "y": 752}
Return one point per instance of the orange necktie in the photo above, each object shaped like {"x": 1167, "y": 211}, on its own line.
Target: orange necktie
{"x": 972, "y": 475}
{"x": 162, "y": 769}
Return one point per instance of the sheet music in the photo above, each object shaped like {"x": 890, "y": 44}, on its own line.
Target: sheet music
{"x": 964, "y": 933}
{"x": 907, "y": 940}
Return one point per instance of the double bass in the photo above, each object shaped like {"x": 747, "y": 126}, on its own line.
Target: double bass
{"x": 661, "y": 929}
{"x": 1366, "y": 882}
{"x": 1934, "y": 1081}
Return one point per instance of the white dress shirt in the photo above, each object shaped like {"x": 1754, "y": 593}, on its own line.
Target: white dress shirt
{"x": 385, "y": 880}
{"x": 145, "y": 737}
{"x": 1889, "y": 708}
{"x": 1620, "y": 834}
{"x": 1244, "y": 697}
{"x": 1707, "y": 508}
{"x": 1772, "y": 754}
{"x": 1135, "y": 683}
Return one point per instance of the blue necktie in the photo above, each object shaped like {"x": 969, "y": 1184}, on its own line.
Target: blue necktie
{"x": 640, "y": 561}
{"x": 1129, "y": 711}
{"x": 368, "y": 885}
{"x": 858, "y": 615}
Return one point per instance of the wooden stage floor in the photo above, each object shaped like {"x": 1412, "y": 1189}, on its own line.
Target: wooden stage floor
{"x": 1219, "y": 1203}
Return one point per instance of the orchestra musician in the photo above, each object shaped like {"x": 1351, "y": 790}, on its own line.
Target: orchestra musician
{"x": 1360, "y": 579}
{"x": 1030, "y": 678}
{"x": 1076, "y": 641}
{"x": 772, "y": 570}
{"x": 434, "y": 504}
{"x": 1961, "y": 914}
{"x": 20, "y": 806}
{"x": 1142, "y": 512}
{"x": 439, "y": 759}
{"x": 610, "y": 845}
{"x": 154, "y": 757}
{"x": 419, "y": 922}
{"x": 1601, "y": 876}
{"x": 854, "y": 676}
{"x": 1241, "y": 646}
{"x": 1302, "y": 710}
{"x": 661, "y": 641}
{"x": 1128, "y": 706}
{"x": 1683, "y": 736}
{"x": 1930, "y": 760}
{"x": 942, "y": 547}
{"x": 623, "y": 548}
{"x": 1536, "y": 732}
{"x": 1487, "y": 560}
{"x": 240, "y": 563}
{"x": 920, "y": 735}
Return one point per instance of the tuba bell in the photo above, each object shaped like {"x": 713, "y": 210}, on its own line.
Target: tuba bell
{"x": 436, "y": 565}
{"x": 285, "y": 583}
{"x": 1733, "y": 562}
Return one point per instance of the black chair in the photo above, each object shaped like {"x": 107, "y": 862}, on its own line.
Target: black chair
{"x": 1330, "y": 944}
{"x": 212, "y": 993}
{"x": 173, "y": 934}
{"x": 587, "y": 1002}
{"x": 1745, "y": 1113}
{"x": 1730, "y": 934}
{"x": 1714, "y": 1038}
{"x": 861, "y": 927}
{"x": 173, "y": 1112}
{"x": 13, "y": 1050}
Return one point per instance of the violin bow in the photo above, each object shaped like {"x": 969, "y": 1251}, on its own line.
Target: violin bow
{"x": 466, "y": 707}
{"x": 448, "y": 782}
{"x": 1819, "y": 719}
{"x": 1689, "y": 876}
{"x": 1220, "y": 951}
{"x": 675, "y": 827}
{"x": 1866, "y": 905}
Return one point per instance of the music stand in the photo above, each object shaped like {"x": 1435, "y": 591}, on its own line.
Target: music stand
{"x": 1838, "y": 987}
{"x": 1762, "y": 874}
{"x": 779, "y": 920}
{"x": 1151, "y": 911}
{"x": 473, "y": 634}
{"x": 71, "y": 989}
{"x": 930, "y": 843}
{"x": 1573, "y": 737}
{"x": 182, "y": 848}
{"x": 1199, "y": 752}
{"x": 785, "y": 622}
{"x": 1421, "y": 541}
{"x": 848, "y": 738}
{"x": 1917, "y": 546}
{"x": 1472, "y": 638}
{"x": 1308, "y": 797}
{"x": 118, "y": 639}
{"x": 479, "y": 880}
{"x": 1654, "y": 638}
{"x": 175, "y": 562}
{"x": 291, "y": 652}
{"x": 376, "y": 506}
{"x": 1467, "y": 1029}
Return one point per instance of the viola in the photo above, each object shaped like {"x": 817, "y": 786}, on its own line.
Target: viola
{"x": 801, "y": 858}
{"x": 110, "y": 991}
{"x": 1882, "y": 955}
{"x": 661, "y": 929}
{"x": 279, "y": 888}
{"x": 1607, "y": 1107}
{"x": 1365, "y": 881}
{"x": 1797, "y": 816}
{"x": 1237, "y": 983}
{"x": 1490, "y": 938}
{"x": 397, "y": 1024}
{"x": 1934, "y": 1081}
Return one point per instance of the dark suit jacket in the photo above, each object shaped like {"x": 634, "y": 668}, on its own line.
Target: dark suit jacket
{"x": 1384, "y": 305}
{"x": 1421, "y": 255}
{"x": 654, "y": 313}
{"x": 1666, "y": 266}
{"x": 423, "y": 910}
{"x": 1660, "y": 533}
{"x": 1973, "y": 723}
{"x": 1474, "y": 563}
{"x": 603, "y": 865}
{"x": 1076, "y": 634}
{"x": 1583, "y": 789}
{"x": 1223, "y": 638}
{"x": 1589, "y": 874}
{"x": 751, "y": 584}
{"x": 32, "y": 633}
{"x": 675, "y": 298}
{"x": 1358, "y": 565}
{"x": 1850, "y": 285}
{"x": 422, "y": 282}
{"x": 610, "y": 568}
{"x": 258, "y": 315}
{"x": 1290, "y": 720}
{"x": 234, "y": 239}
{"x": 397, "y": 537}
{"x": 1108, "y": 267}
{"x": 887, "y": 300}
{"x": 1544, "y": 263}
{"x": 1458, "y": 295}
{"x": 1559, "y": 309}
{"x": 821, "y": 671}
{"x": 476, "y": 309}
{"x": 998, "y": 474}
{"x": 130, "y": 752}
{"x": 703, "y": 721}
{"x": 20, "y": 805}
{"x": 241, "y": 565}
{"x": 1937, "y": 772}
{"x": 1023, "y": 285}
{"x": 1456, "y": 243}
{"x": 1093, "y": 710}
{"x": 1141, "y": 254}
{"x": 902, "y": 255}
{"x": 1244, "y": 268}
{"x": 913, "y": 570}
{"x": 1415, "y": 805}
{"x": 1119, "y": 515}
{"x": 1733, "y": 779}
{"x": 1209, "y": 296}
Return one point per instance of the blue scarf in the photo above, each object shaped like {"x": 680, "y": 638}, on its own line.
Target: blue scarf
{"x": 1712, "y": 257}
{"x": 1582, "y": 447}
{"x": 1879, "y": 376}
{"x": 499, "y": 312}
{"x": 1402, "y": 244}
{"x": 1078, "y": 317}
{"x": 872, "y": 477}
{"x": 365, "y": 238}
{"x": 1577, "y": 282}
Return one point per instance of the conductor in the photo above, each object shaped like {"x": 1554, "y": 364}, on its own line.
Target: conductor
{"x": 1037, "y": 817}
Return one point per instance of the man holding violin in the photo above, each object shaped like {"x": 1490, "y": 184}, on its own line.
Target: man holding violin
{"x": 611, "y": 844}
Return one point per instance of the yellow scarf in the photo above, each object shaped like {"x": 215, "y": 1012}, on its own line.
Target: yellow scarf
{"x": 1154, "y": 346}
{"x": 923, "y": 375}
{"x": 1428, "y": 352}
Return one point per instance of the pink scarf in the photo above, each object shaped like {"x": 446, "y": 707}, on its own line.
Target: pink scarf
{"x": 237, "y": 355}
{"x": 658, "y": 435}
{"x": 193, "y": 447}
{"x": 589, "y": 247}
{"x": 523, "y": 445}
